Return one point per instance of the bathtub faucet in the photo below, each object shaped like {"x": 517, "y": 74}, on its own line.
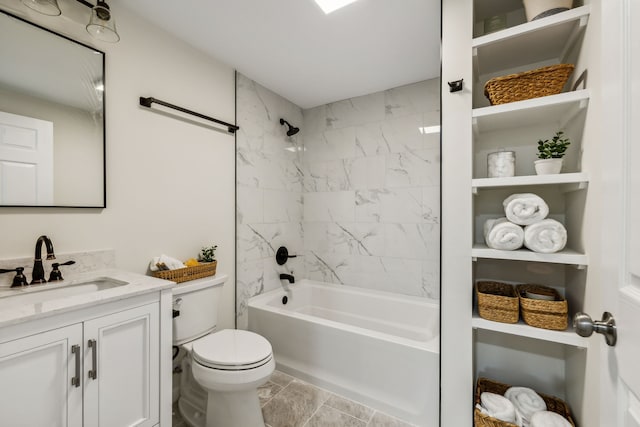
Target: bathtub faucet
{"x": 288, "y": 277}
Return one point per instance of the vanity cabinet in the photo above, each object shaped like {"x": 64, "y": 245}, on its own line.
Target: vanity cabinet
{"x": 36, "y": 374}
{"x": 121, "y": 365}
{"x": 558, "y": 363}
{"x": 101, "y": 371}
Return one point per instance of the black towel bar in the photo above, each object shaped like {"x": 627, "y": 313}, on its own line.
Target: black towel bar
{"x": 146, "y": 102}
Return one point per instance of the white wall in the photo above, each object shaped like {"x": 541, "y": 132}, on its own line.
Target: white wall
{"x": 170, "y": 184}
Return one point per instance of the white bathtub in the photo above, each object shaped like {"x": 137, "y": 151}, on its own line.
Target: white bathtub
{"x": 374, "y": 347}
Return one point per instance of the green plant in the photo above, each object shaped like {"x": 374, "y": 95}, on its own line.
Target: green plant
{"x": 208, "y": 253}
{"x": 554, "y": 149}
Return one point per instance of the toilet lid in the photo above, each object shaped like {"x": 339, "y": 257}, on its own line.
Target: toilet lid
{"x": 232, "y": 349}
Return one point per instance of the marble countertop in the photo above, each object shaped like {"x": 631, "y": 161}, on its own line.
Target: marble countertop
{"x": 136, "y": 284}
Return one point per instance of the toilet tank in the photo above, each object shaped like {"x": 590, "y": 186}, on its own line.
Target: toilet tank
{"x": 198, "y": 304}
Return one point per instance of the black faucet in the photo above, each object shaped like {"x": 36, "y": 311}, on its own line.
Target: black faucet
{"x": 55, "y": 273}
{"x": 288, "y": 277}
{"x": 19, "y": 279}
{"x": 38, "y": 271}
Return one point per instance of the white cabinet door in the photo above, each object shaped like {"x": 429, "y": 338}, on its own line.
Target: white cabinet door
{"x": 620, "y": 376}
{"x": 121, "y": 369}
{"x": 36, "y": 374}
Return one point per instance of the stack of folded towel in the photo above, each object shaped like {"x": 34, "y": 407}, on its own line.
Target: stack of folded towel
{"x": 540, "y": 234}
{"x": 164, "y": 262}
{"x": 520, "y": 406}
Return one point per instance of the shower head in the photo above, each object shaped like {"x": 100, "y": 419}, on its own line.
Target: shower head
{"x": 292, "y": 129}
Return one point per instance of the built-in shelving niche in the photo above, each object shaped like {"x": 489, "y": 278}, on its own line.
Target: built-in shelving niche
{"x": 525, "y": 46}
{"x": 565, "y": 207}
{"x": 523, "y": 361}
{"x": 519, "y": 354}
{"x": 520, "y": 125}
{"x": 568, "y": 280}
{"x": 551, "y": 362}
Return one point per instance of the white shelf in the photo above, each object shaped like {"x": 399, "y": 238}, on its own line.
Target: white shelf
{"x": 558, "y": 109}
{"x": 544, "y": 39}
{"x": 568, "y": 181}
{"x": 566, "y": 256}
{"x": 568, "y": 336}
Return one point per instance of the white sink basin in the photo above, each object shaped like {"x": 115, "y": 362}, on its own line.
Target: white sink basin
{"x": 47, "y": 292}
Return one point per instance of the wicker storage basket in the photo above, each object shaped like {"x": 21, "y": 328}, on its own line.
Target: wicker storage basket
{"x": 481, "y": 420}
{"x": 497, "y": 301}
{"x": 180, "y": 275}
{"x": 542, "y": 313}
{"x": 529, "y": 84}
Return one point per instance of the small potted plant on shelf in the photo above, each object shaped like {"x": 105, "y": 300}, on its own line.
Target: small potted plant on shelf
{"x": 551, "y": 153}
{"x": 208, "y": 253}
{"x": 207, "y": 259}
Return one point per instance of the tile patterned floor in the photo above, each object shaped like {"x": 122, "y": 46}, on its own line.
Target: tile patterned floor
{"x": 290, "y": 402}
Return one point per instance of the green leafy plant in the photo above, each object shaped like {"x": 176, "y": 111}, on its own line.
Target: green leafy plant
{"x": 208, "y": 253}
{"x": 554, "y": 149}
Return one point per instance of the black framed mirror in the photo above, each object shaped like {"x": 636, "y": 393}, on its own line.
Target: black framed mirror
{"x": 52, "y": 121}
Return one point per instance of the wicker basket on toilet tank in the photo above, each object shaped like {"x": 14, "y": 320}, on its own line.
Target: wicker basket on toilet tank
{"x": 205, "y": 269}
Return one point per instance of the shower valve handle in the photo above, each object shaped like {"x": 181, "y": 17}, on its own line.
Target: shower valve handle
{"x": 282, "y": 255}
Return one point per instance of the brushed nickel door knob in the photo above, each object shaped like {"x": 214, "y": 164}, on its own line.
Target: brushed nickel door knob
{"x": 585, "y": 326}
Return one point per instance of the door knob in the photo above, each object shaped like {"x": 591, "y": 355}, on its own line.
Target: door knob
{"x": 584, "y": 326}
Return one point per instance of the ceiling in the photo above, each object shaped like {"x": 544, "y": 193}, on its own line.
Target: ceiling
{"x": 294, "y": 49}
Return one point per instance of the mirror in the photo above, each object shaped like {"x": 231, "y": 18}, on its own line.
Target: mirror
{"x": 52, "y": 150}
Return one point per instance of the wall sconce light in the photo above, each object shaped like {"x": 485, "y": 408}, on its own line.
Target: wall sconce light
{"x": 101, "y": 26}
{"x": 46, "y": 7}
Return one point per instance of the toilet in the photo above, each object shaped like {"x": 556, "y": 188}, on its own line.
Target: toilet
{"x": 221, "y": 369}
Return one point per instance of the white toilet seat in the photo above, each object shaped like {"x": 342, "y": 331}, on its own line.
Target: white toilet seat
{"x": 232, "y": 350}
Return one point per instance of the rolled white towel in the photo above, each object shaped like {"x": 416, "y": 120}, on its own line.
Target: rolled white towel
{"x": 547, "y": 236}
{"x": 525, "y": 208}
{"x": 497, "y": 406}
{"x": 527, "y": 402}
{"x": 171, "y": 263}
{"x": 153, "y": 265}
{"x": 548, "y": 419}
{"x": 502, "y": 234}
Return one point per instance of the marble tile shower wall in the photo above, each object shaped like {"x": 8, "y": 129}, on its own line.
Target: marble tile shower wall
{"x": 372, "y": 191}
{"x": 269, "y": 191}
{"x": 358, "y": 197}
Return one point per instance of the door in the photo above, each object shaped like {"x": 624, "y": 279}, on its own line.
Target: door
{"x": 41, "y": 379}
{"x": 122, "y": 370}
{"x": 620, "y": 375}
{"x": 26, "y": 160}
